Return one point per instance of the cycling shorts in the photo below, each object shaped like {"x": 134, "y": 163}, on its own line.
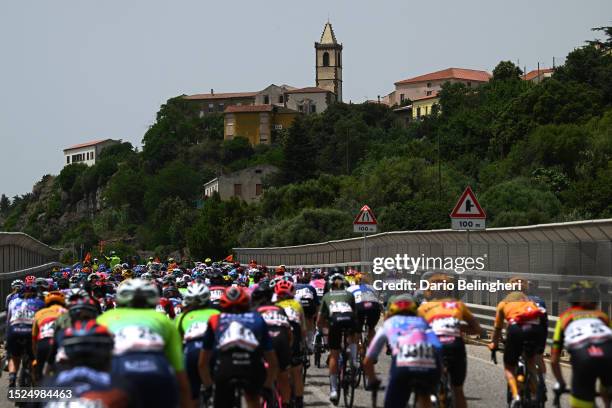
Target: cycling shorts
{"x": 521, "y": 339}
{"x": 152, "y": 377}
{"x": 402, "y": 383}
{"x": 282, "y": 348}
{"x": 455, "y": 358}
{"x": 18, "y": 342}
{"x": 191, "y": 352}
{"x": 296, "y": 346}
{"x": 43, "y": 355}
{"x": 334, "y": 338}
{"x": 543, "y": 336}
{"x": 589, "y": 363}
{"x": 368, "y": 315}
{"x": 242, "y": 367}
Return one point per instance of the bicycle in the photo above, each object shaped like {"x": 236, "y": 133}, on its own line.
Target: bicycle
{"x": 523, "y": 379}
{"x": 319, "y": 348}
{"x": 347, "y": 373}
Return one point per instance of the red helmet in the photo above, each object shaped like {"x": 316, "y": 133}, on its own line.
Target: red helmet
{"x": 235, "y": 298}
{"x": 29, "y": 280}
{"x": 284, "y": 289}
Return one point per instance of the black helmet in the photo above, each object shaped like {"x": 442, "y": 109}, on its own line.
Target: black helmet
{"x": 89, "y": 343}
{"x": 583, "y": 291}
{"x": 335, "y": 270}
{"x": 262, "y": 293}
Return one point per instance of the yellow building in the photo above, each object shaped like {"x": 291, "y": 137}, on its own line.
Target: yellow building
{"x": 256, "y": 122}
{"x": 423, "y": 106}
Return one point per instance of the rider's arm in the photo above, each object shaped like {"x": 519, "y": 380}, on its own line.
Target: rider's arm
{"x": 322, "y": 316}
{"x": 208, "y": 345}
{"x": 499, "y": 324}
{"x": 272, "y": 372}
{"x": 376, "y": 346}
{"x": 174, "y": 353}
{"x": 473, "y": 327}
{"x": 555, "y": 354}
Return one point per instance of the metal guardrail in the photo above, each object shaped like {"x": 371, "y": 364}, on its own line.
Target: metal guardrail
{"x": 581, "y": 248}
{"x": 20, "y": 251}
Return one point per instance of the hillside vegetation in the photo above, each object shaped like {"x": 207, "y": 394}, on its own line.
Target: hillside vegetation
{"x": 534, "y": 153}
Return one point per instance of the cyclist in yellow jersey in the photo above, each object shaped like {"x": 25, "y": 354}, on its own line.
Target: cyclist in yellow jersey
{"x": 584, "y": 331}
{"x": 445, "y": 315}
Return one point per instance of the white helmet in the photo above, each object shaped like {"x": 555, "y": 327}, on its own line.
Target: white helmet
{"x": 137, "y": 293}
{"x": 197, "y": 295}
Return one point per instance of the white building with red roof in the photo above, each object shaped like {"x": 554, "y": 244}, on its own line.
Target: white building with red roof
{"x": 538, "y": 75}
{"x": 428, "y": 85}
{"x": 86, "y": 153}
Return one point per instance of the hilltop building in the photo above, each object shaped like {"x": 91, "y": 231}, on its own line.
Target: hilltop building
{"x": 255, "y": 115}
{"x": 538, "y": 75}
{"x": 246, "y": 184}
{"x": 86, "y": 153}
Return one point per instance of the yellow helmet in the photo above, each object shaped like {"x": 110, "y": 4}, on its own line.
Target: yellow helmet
{"x": 127, "y": 274}
{"x": 401, "y": 304}
{"x": 55, "y": 297}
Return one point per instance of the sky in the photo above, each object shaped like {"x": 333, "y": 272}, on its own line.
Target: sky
{"x": 72, "y": 71}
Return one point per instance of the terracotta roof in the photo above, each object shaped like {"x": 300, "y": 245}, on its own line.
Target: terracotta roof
{"x": 309, "y": 89}
{"x": 257, "y": 108}
{"x": 422, "y": 98}
{"x": 534, "y": 74}
{"x": 229, "y": 95}
{"x": 450, "y": 73}
{"x": 86, "y": 144}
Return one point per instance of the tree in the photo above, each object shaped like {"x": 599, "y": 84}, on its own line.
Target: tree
{"x": 5, "y": 204}
{"x": 235, "y": 149}
{"x": 299, "y": 153}
{"x": 506, "y": 70}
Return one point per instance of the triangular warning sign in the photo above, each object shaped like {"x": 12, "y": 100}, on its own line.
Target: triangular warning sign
{"x": 365, "y": 216}
{"x": 468, "y": 206}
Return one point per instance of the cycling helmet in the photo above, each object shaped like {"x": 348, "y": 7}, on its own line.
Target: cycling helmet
{"x": 88, "y": 341}
{"x": 84, "y": 308}
{"x": 337, "y": 281}
{"x": 316, "y": 274}
{"x": 284, "y": 289}
{"x": 170, "y": 292}
{"x": 127, "y": 274}
{"x": 55, "y": 297}
{"x": 583, "y": 291}
{"x": 401, "y": 305}
{"x": 29, "y": 280}
{"x": 146, "y": 276}
{"x": 262, "y": 293}
{"x": 17, "y": 284}
{"x": 440, "y": 291}
{"x": 197, "y": 295}
{"x": 137, "y": 293}
{"x": 41, "y": 283}
{"x": 234, "y": 299}
{"x": 169, "y": 279}
{"x": 280, "y": 270}
{"x": 335, "y": 270}
{"x": 216, "y": 277}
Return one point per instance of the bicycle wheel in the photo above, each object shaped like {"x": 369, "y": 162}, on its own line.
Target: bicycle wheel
{"x": 348, "y": 384}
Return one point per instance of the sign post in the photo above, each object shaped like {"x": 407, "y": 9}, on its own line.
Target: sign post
{"x": 365, "y": 222}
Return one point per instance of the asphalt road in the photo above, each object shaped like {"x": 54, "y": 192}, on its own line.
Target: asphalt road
{"x": 485, "y": 386}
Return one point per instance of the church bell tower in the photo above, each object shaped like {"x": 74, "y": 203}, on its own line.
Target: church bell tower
{"x": 329, "y": 62}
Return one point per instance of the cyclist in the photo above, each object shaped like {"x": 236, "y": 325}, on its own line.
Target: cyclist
{"x": 285, "y": 293}
{"x": 89, "y": 348}
{"x": 191, "y": 325}
{"x": 317, "y": 282}
{"x": 367, "y": 305}
{"x": 147, "y": 346}
{"x": 584, "y": 331}
{"x": 43, "y": 330}
{"x": 338, "y": 314}
{"x": 280, "y": 333}
{"x": 522, "y": 335}
{"x": 307, "y": 296}
{"x": 20, "y": 316}
{"x": 16, "y": 287}
{"x": 240, "y": 341}
{"x": 445, "y": 315}
{"x": 217, "y": 287}
{"x": 541, "y": 342}
{"x": 416, "y": 355}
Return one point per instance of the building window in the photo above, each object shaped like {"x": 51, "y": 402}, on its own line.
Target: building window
{"x": 401, "y": 97}
{"x": 93, "y": 155}
{"x": 266, "y": 100}
{"x": 221, "y": 107}
{"x": 428, "y": 93}
{"x": 67, "y": 159}
{"x": 301, "y": 108}
{"x": 469, "y": 84}
{"x": 201, "y": 114}
{"x": 429, "y": 84}
{"x": 326, "y": 59}
{"x": 211, "y": 107}
{"x": 280, "y": 99}
{"x": 258, "y": 189}
{"x": 418, "y": 112}
{"x": 237, "y": 190}
{"x": 313, "y": 108}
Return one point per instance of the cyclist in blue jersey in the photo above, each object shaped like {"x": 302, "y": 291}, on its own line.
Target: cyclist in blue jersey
{"x": 240, "y": 341}
{"x": 416, "y": 354}
{"x": 20, "y": 317}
